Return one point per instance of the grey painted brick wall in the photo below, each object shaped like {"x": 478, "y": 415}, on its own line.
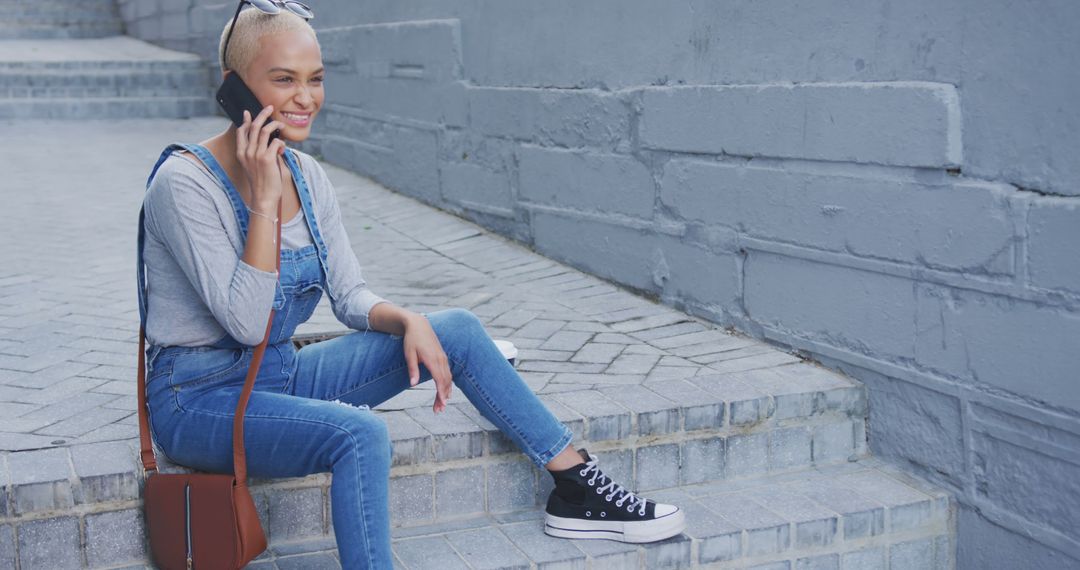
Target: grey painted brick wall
{"x": 890, "y": 187}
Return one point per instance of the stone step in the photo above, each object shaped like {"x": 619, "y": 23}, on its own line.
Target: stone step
{"x": 58, "y": 16}
{"x": 85, "y": 53}
{"x": 16, "y": 6}
{"x": 100, "y": 78}
{"x": 44, "y": 31}
{"x": 53, "y": 19}
{"x": 660, "y": 434}
{"x": 705, "y": 428}
{"x": 99, "y": 82}
{"x": 106, "y": 108}
{"x": 58, "y": 13}
{"x": 862, "y": 515}
{"x": 78, "y": 68}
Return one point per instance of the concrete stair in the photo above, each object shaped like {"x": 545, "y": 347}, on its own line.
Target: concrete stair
{"x": 46, "y": 19}
{"x": 770, "y": 463}
{"x": 100, "y": 78}
{"x": 860, "y": 515}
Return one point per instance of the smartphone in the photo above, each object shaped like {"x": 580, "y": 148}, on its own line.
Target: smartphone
{"x": 235, "y": 96}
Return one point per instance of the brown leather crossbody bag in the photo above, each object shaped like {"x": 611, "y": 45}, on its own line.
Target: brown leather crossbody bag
{"x": 204, "y": 521}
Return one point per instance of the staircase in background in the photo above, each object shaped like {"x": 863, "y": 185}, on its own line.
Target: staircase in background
{"x": 53, "y": 19}
{"x": 67, "y": 59}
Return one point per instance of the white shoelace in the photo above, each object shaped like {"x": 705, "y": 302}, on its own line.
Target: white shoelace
{"x": 616, "y": 490}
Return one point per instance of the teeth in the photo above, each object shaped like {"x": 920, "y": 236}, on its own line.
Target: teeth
{"x": 296, "y": 117}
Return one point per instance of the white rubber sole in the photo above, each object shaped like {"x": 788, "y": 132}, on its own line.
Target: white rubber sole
{"x": 629, "y": 531}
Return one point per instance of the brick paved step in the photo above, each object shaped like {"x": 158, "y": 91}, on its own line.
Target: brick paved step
{"x": 59, "y": 16}
{"x": 59, "y": 19}
{"x": 102, "y": 78}
{"x": 42, "y": 31}
{"x": 102, "y": 83}
{"x": 20, "y": 6}
{"x": 859, "y": 515}
{"x": 32, "y": 20}
{"x": 660, "y": 434}
{"x": 86, "y": 52}
{"x": 862, "y": 515}
{"x": 78, "y": 68}
{"x": 106, "y": 108}
{"x": 30, "y": 8}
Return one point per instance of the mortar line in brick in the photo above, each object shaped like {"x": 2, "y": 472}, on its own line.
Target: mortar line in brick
{"x": 1037, "y": 191}
{"x": 1005, "y": 519}
{"x": 890, "y": 369}
{"x": 613, "y": 218}
{"x": 970, "y": 454}
{"x": 83, "y": 542}
{"x": 15, "y": 539}
{"x": 327, "y": 514}
{"x": 499, "y": 530}
{"x": 76, "y": 511}
{"x": 980, "y": 284}
{"x": 450, "y": 544}
{"x": 485, "y": 486}
{"x": 1023, "y": 268}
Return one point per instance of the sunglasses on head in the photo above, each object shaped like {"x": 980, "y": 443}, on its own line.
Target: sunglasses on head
{"x": 270, "y": 7}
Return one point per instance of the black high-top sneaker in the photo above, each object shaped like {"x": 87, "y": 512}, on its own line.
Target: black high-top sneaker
{"x": 587, "y": 504}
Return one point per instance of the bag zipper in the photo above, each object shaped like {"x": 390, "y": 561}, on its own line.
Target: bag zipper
{"x": 187, "y": 520}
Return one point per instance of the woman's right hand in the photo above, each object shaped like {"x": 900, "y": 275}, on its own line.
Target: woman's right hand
{"x": 262, "y": 162}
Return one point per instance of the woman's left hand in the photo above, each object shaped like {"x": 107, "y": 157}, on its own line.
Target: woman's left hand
{"x": 422, "y": 346}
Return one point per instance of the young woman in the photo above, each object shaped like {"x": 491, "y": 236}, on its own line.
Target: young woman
{"x": 209, "y": 251}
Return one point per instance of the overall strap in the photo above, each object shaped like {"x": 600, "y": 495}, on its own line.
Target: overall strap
{"x": 239, "y": 457}
{"x": 239, "y": 207}
{"x": 147, "y": 452}
{"x": 145, "y": 444}
{"x": 307, "y": 204}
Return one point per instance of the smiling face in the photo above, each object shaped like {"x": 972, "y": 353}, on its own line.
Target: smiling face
{"x": 288, "y": 74}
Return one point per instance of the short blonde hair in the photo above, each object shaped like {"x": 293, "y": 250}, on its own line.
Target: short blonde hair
{"x": 251, "y": 25}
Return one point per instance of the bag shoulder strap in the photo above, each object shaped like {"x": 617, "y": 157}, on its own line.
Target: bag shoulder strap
{"x": 239, "y": 459}
{"x": 146, "y": 450}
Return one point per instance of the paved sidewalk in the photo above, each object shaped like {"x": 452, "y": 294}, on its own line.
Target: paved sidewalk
{"x": 69, "y": 319}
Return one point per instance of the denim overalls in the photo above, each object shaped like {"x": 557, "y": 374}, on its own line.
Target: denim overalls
{"x": 309, "y": 411}
{"x": 303, "y": 271}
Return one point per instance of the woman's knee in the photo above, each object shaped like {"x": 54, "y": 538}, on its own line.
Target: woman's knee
{"x": 366, "y": 433}
{"x": 458, "y": 316}
{"x": 457, "y": 324}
